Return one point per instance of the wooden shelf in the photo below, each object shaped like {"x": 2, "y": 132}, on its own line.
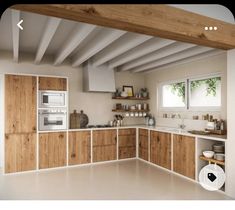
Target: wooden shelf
{"x": 122, "y": 110}
{"x": 130, "y": 98}
{"x": 219, "y": 162}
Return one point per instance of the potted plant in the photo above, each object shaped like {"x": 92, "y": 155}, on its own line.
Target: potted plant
{"x": 144, "y": 92}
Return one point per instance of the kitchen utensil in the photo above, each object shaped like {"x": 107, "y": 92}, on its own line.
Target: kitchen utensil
{"x": 140, "y": 114}
{"x": 83, "y": 118}
{"x": 136, "y": 114}
{"x": 138, "y": 106}
{"x": 132, "y": 114}
{"x": 74, "y": 120}
{"x": 118, "y": 106}
{"x": 218, "y": 148}
{"x": 199, "y": 132}
{"x": 208, "y": 154}
{"x": 219, "y": 156}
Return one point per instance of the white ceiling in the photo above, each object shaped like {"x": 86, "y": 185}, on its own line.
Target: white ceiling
{"x": 79, "y": 42}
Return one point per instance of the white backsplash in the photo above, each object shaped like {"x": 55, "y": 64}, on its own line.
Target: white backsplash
{"x": 190, "y": 124}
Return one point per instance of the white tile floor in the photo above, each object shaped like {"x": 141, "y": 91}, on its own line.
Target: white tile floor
{"x": 131, "y": 179}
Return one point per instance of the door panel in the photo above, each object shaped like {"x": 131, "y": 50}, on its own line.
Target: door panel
{"x": 79, "y": 147}
{"x": 20, "y": 104}
{"x": 52, "y": 83}
{"x": 160, "y": 149}
{"x": 184, "y": 155}
{"x": 20, "y": 152}
{"x": 52, "y": 149}
{"x": 143, "y": 144}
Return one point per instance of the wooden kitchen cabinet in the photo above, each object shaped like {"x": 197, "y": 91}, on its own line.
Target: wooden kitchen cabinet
{"x": 184, "y": 155}
{"x": 52, "y": 149}
{"x": 127, "y": 143}
{"x": 104, "y": 145}
{"x": 143, "y": 144}
{"x": 20, "y": 104}
{"x": 79, "y": 147}
{"x": 20, "y": 152}
{"x": 52, "y": 83}
{"x": 160, "y": 149}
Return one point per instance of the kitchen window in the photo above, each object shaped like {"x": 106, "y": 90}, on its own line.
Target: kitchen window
{"x": 192, "y": 94}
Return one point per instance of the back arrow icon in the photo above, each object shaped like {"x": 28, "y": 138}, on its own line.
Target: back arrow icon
{"x": 18, "y": 24}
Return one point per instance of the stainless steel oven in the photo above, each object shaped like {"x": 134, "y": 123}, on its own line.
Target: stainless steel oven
{"x": 52, "y": 99}
{"x": 52, "y": 119}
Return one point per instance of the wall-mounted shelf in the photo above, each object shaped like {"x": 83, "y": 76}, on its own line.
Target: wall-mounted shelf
{"x": 211, "y": 160}
{"x": 123, "y": 110}
{"x": 131, "y": 98}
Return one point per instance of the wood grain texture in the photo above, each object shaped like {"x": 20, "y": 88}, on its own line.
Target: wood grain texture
{"x": 157, "y": 20}
{"x": 20, "y": 104}
{"x": 160, "y": 149}
{"x": 143, "y": 144}
{"x": 52, "y": 83}
{"x": 127, "y": 143}
{"x": 79, "y": 147}
{"x": 104, "y": 145}
{"x": 52, "y": 149}
{"x": 184, "y": 155}
{"x": 20, "y": 152}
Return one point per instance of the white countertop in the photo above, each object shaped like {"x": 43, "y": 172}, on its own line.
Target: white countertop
{"x": 161, "y": 129}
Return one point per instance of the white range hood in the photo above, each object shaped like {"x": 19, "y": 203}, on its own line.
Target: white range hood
{"x": 98, "y": 78}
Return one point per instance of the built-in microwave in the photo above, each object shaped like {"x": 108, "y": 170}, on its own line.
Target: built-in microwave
{"x": 49, "y": 99}
{"x": 52, "y": 119}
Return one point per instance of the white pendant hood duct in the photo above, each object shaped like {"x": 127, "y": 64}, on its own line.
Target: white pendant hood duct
{"x": 98, "y": 78}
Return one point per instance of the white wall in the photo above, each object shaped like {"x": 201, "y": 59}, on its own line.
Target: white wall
{"x": 201, "y": 67}
{"x": 230, "y": 144}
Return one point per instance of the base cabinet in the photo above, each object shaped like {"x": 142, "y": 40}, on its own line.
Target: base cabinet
{"x": 127, "y": 143}
{"x": 79, "y": 147}
{"x": 143, "y": 144}
{"x": 104, "y": 145}
{"x": 184, "y": 155}
{"x": 20, "y": 152}
{"x": 160, "y": 149}
{"x": 52, "y": 149}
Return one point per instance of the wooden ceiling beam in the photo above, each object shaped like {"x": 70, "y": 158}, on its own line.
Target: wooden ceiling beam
{"x": 175, "y": 57}
{"x": 49, "y": 31}
{"x": 156, "y": 20}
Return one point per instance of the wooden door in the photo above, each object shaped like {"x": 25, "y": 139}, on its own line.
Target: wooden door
{"x": 127, "y": 143}
{"x": 79, "y": 147}
{"x": 52, "y": 149}
{"x": 20, "y": 152}
{"x": 104, "y": 145}
{"x": 184, "y": 155}
{"x": 143, "y": 144}
{"x": 20, "y": 104}
{"x": 52, "y": 83}
{"x": 160, "y": 149}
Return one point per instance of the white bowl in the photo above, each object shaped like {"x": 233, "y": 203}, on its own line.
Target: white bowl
{"x": 208, "y": 154}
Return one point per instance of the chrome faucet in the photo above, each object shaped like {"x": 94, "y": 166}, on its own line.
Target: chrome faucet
{"x": 182, "y": 125}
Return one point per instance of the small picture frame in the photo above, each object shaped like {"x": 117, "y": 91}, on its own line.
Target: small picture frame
{"x": 128, "y": 90}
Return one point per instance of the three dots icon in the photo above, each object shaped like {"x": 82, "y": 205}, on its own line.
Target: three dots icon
{"x": 210, "y": 28}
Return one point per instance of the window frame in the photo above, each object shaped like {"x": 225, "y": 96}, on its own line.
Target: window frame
{"x": 160, "y": 99}
{"x": 203, "y": 108}
{"x": 188, "y": 94}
